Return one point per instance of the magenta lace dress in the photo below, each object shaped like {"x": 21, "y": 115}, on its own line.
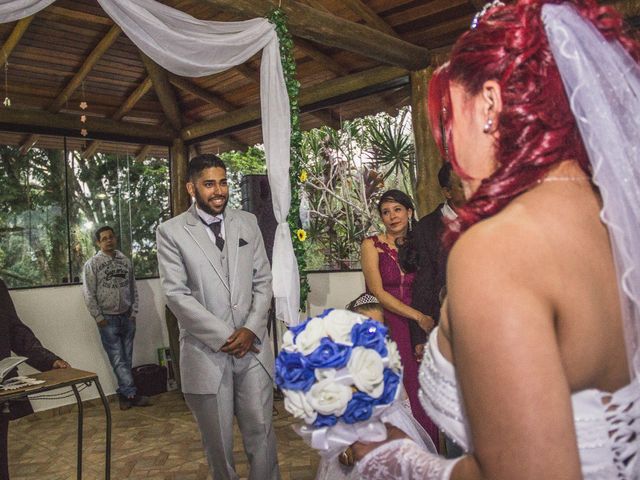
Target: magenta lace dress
{"x": 399, "y": 284}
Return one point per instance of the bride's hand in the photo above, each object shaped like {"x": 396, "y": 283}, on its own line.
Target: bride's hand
{"x": 360, "y": 449}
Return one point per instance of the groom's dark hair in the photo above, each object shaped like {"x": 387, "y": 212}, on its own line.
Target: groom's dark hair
{"x": 201, "y": 162}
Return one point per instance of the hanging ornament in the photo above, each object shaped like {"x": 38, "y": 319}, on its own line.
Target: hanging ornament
{"x": 7, "y": 100}
{"x": 83, "y": 118}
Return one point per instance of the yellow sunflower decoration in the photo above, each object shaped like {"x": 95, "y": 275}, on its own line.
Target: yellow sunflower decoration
{"x": 303, "y": 176}
{"x": 302, "y": 235}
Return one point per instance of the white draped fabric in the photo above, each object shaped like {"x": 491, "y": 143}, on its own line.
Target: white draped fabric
{"x": 190, "y": 47}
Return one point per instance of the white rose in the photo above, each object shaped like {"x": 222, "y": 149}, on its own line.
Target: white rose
{"x": 287, "y": 341}
{"x": 395, "y": 362}
{"x": 324, "y": 373}
{"x": 296, "y": 403}
{"x": 309, "y": 339}
{"x": 329, "y": 398}
{"x": 366, "y": 368}
{"x": 339, "y": 323}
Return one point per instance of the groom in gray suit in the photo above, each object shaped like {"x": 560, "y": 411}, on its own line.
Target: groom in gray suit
{"x": 216, "y": 277}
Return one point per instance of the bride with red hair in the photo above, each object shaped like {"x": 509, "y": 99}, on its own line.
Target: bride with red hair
{"x": 533, "y": 370}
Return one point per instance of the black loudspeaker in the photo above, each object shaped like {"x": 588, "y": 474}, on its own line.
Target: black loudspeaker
{"x": 256, "y": 198}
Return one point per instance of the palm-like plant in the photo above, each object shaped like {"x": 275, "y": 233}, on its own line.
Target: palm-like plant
{"x": 391, "y": 148}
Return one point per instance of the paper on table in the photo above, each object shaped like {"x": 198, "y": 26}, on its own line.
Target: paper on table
{"x": 8, "y": 364}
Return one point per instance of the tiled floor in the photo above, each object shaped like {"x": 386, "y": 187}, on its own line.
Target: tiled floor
{"x": 160, "y": 442}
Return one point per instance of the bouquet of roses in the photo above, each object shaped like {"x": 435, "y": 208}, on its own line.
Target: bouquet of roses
{"x": 339, "y": 374}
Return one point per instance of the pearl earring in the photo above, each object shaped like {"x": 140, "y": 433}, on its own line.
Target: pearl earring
{"x": 487, "y": 125}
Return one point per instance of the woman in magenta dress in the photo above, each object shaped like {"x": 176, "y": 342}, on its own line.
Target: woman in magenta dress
{"x": 392, "y": 286}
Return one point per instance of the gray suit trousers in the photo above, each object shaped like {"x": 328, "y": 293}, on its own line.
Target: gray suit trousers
{"x": 246, "y": 391}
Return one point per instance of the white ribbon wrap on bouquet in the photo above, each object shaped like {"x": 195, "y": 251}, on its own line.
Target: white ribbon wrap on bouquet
{"x": 331, "y": 441}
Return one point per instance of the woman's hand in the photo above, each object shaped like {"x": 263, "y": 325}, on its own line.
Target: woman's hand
{"x": 360, "y": 449}
{"x": 425, "y": 322}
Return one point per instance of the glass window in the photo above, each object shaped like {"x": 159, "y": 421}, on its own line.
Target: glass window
{"x": 128, "y": 194}
{"x": 33, "y": 234}
{"x": 49, "y": 213}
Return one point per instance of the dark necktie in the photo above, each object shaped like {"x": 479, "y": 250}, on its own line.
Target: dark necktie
{"x": 215, "y": 228}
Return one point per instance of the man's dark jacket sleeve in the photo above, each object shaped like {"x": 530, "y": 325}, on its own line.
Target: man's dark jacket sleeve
{"x": 17, "y": 337}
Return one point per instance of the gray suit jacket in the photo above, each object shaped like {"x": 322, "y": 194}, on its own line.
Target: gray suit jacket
{"x": 209, "y": 307}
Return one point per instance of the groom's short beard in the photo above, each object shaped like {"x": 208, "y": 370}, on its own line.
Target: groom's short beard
{"x": 204, "y": 206}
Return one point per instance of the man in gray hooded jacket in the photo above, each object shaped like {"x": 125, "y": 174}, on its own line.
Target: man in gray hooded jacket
{"x": 110, "y": 292}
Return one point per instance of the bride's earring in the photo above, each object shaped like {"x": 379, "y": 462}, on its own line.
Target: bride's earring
{"x": 487, "y": 126}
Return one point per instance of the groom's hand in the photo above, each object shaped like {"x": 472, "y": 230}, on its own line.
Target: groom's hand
{"x": 240, "y": 343}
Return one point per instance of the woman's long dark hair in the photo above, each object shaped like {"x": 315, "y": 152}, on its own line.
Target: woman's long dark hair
{"x": 407, "y": 253}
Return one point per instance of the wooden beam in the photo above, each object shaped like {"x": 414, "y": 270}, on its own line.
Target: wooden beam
{"x": 140, "y": 91}
{"x": 317, "y": 5}
{"x": 203, "y": 94}
{"x": 128, "y": 104}
{"x": 14, "y": 38}
{"x": 247, "y": 72}
{"x": 164, "y": 91}
{"x": 25, "y": 119}
{"x": 315, "y": 94}
{"x": 478, "y": 4}
{"x": 64, "y": 96}
{"x": 333, "y": 31}
{"x": 178, "y": 181}
{"x": 428, "y": 161}
{"x": 325, "y": 117}
{"x": 233, "y": 142}
{"x": 320, "y": 57}
{"x": 104, "y": 44}
{"x": 79, "y": 15}
{"x": 370, "y": 16}
{"x": 142, "y": 153}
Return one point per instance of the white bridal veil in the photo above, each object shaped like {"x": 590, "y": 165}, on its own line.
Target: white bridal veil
{"x": 602, "y": 82}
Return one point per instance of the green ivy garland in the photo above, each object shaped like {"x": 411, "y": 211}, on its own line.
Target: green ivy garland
{"x": 298, "y": 235}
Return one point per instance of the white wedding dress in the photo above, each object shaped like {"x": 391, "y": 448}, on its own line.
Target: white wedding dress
{"x": 607, "y": 426}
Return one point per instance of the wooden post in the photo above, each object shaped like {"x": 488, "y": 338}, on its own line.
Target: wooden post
{"x": 179, "y": 160}
{"x": 428, "y": 161}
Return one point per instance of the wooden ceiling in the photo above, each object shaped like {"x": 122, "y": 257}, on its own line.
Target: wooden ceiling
{"x": 352, "y": 56}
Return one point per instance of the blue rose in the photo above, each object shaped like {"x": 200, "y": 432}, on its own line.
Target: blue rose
{"x": 325, "y": 421}
{"x": 329, "y": 355}
{"x": 293, "y": 372}
{"x": 358, "y": 409}
{"x": 391, "y": 381}
{"x": 370, "y": 334}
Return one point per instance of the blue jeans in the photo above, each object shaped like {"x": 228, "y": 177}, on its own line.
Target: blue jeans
{"x": 117, "y": 340}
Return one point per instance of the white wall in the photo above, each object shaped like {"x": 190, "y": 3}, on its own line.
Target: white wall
{"x": 60, "y": 320}
{"x": 333, "y": 290}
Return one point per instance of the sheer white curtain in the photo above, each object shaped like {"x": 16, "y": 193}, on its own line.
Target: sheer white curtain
{"x": 190, "y": 47}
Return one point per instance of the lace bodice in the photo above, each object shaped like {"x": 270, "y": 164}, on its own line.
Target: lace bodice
{"x": 607, "y": 424}
{"x": 607, "y": 427}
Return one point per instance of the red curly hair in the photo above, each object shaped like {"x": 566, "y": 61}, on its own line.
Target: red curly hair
{"x": 536, "y": 127}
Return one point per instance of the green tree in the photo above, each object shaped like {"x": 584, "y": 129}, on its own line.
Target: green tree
{"x": 38, "y": 246}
